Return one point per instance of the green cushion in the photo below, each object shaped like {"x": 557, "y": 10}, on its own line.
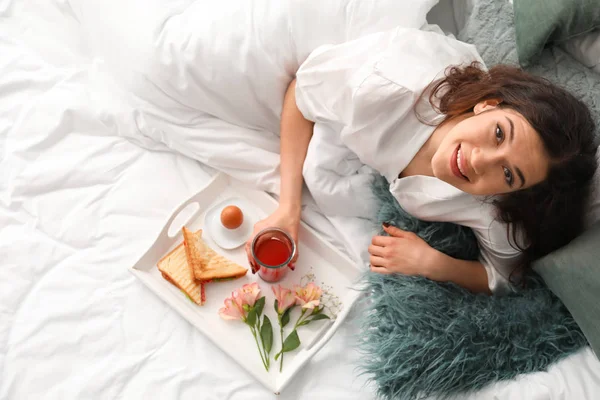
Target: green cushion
{"x": 549, "y": 22}
{"x": 573, "y": 274}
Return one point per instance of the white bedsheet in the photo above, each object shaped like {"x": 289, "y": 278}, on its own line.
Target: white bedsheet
{"x": 84, "y": 189}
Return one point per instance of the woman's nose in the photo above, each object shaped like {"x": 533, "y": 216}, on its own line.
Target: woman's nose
{"x": 483, "y": 159}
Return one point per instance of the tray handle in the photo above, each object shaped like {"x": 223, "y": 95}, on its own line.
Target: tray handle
{"x": 215, "y": 183}
{"x": 163, "y": 240}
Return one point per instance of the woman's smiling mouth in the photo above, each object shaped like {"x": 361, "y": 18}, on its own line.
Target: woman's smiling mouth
{"x": 457, "y": 164}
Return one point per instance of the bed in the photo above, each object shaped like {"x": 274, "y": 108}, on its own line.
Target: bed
{"x": 88, "y": 179}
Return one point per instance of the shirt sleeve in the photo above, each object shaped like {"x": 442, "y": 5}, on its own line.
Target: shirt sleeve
{"x": 328, "y": 79}
{"x": 367, "y": 90}
{"x": 498, "y": 255}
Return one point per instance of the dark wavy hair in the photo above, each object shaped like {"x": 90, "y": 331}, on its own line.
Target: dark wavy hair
{"x": 547, "y": 216}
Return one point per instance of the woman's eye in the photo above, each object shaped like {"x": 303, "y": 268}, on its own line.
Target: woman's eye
{"x": 499, "y": 134}
{"x": 508, "y": 176}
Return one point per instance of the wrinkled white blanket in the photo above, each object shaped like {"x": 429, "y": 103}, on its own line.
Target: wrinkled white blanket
{"x": 209, "y": 81}
{"x": 111, "y": 114}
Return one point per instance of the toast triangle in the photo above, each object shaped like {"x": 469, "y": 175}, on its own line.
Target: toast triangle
{"x": 197, "y": 251}
{"x": 174, "y": 268}
{"x": 219, "y": 267}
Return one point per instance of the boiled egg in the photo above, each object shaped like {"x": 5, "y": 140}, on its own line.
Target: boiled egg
{"x": 232, "y": 217}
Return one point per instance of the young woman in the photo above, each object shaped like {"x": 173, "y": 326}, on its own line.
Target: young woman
{"x": 503, "y": 152}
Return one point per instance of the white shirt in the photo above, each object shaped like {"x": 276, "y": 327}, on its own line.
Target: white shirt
{"x": 361, "y": 95}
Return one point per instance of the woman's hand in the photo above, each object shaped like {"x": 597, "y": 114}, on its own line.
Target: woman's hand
{"x": 402, "y": 252}
{"x": 282, "y": 218}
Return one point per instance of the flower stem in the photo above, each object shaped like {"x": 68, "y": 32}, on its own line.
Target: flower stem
{"x": 281, "y": 333}
{"x": 300, "y": 320}
{"x": 258, "y": 330}
{"x": 265, "y": 364}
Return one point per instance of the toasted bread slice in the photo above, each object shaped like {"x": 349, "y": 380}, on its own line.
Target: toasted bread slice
{"x": 197, "y": 251}
{"x": 219, "y": 267}
{"x": 175, "y": 269}
{"x": 206, "y": 263}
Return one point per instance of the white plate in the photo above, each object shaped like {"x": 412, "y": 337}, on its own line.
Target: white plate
{"x": 319, "y": 260}
{"x": 230, "y": 238}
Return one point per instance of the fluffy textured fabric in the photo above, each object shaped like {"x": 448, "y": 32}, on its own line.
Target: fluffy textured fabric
{"x": 425, "y": 338}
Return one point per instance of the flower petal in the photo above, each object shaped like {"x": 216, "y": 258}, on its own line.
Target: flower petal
{"x": 311, "y": 304}
{"x": 231, "y": 310}
{"x": 250, "y": 293}
{"x": 287, "y": 301}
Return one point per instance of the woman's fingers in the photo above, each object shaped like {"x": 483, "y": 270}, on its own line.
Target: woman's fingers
{"x": 249, "y": 255}
{"x": 395, "y": 231}
{"x": 378, "y": 261}
{"x": 382, "y": 241}
{"x": 380, "y": 270}
{"x": 377, "y": 250}
{"x": 248, "y": 248}
{"x": 295, "y": 259}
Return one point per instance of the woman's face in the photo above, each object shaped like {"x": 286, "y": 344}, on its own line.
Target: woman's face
{"x": 495, "y": 151}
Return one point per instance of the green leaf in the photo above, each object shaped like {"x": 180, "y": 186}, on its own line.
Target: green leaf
{"x": 277, "y": 355}
{"x": 259, "y": 305}
{"x": 276, "y": 306}
{"x": 319, "y": 316}
{"x": 251, "y": 317}
{"x": 318, "y": 310}
{"x": 285, "y": 318}
{"x": 266, "y": 334}
{"x": 305, "y": 322}
{"x": 291, "y": 342}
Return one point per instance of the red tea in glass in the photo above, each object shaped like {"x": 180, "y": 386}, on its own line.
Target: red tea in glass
{"x": 272, "y": 251}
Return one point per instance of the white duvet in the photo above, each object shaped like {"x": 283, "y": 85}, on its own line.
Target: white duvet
{"x": 106, "y": 125}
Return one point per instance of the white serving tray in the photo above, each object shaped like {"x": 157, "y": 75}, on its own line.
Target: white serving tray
{"x": 332, "y": 270}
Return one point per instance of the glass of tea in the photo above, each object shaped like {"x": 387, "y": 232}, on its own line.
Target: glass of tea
{"x": 272, "y": 251}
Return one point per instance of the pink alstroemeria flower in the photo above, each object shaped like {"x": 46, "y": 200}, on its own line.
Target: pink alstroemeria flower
{"x": 248, "y": 294}
{"x": 233, "y": 309}
{"x": 285, "y": 298}
{"x": 308, "y": 296}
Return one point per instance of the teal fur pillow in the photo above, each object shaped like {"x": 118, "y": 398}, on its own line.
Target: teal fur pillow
{"x": 424, "y": 338}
